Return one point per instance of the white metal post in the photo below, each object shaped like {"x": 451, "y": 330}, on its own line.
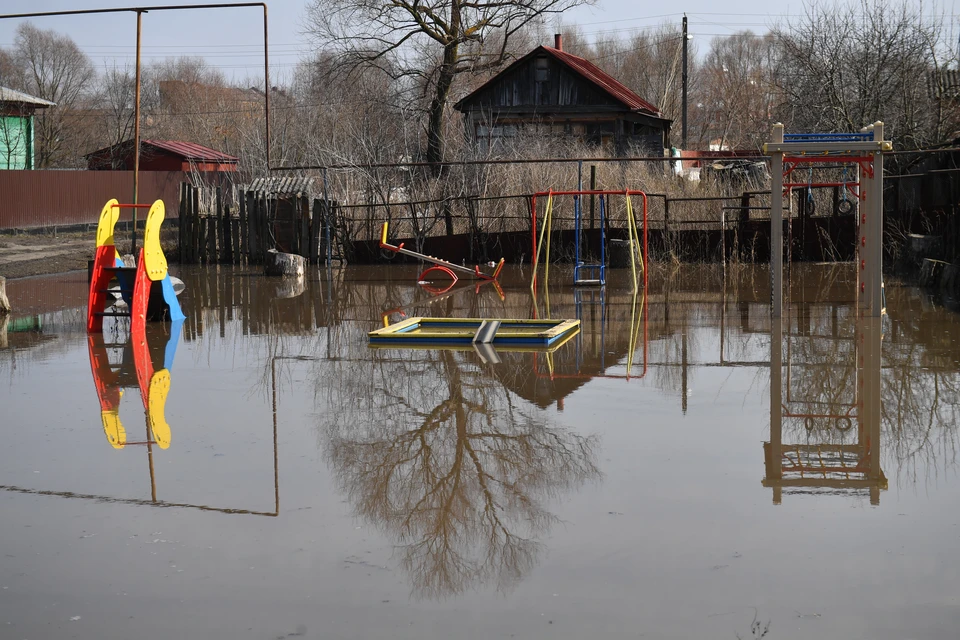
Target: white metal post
{"x": 875, "y": 229}
{"x": 864, "y": 221}
{"x": 776, "y": 224}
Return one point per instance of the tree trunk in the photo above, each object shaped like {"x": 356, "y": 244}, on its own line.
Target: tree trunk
{"x": 437, "y": 107}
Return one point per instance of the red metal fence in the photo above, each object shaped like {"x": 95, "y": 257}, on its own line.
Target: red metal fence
{"x": 47, "y": 198}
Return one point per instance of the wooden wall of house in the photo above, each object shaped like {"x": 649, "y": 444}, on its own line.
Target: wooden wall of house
{"x": 560, "y": 88}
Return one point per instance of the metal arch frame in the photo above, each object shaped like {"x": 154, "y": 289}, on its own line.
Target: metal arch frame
{"x": 136, "y": 104}
{"x": 866, "y": 150}
{"x": 626, "y": 193}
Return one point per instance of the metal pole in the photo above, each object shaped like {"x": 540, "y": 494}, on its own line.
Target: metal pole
{"x": 776, "y": 225}
{"x": 683, "y": 135}
{"x": 593, "y": 187}
{"x": 136, "y": 137}
{"x": 326, "y": 219}
{"x": 266, "y": 82}
{"x": 875, "y": 228}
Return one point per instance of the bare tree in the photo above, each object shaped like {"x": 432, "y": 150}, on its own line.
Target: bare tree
{"x": 431, "y": 41}
{"x": 844, "y": 67}
{"x": 54, "y": 68}
{"x": 116, "y": 97}
{"x": 737, "y": 91}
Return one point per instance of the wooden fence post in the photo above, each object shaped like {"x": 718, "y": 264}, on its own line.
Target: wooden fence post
{"x": 303, "y": 226}
{"x": 195, "y": 245}
{"x": 265, "y": 234}
{"x": 315, "y": 230}
{"x": 180, "y": 219}
{"x": 253, "y": 245}
{"x": 222, "y": 236}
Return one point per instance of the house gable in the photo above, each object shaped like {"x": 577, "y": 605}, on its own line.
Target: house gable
{"x": 539, "y": 82}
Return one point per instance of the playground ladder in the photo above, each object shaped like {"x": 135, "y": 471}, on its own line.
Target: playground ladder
{"x": 136, "y": 283}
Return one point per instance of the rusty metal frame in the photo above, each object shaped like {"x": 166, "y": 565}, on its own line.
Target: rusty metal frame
{"x": 136, "y": 118}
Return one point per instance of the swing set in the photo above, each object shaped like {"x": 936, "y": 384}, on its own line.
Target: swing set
{"x": 596, "y": 271}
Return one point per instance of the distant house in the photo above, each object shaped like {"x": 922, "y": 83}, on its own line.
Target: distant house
{"x": 16, "y": 128}
{"x": 555, "y": 93}
{"x": 162, "y": 155}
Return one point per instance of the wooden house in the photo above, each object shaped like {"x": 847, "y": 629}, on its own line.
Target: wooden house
{"x": 162, "y": 155}
{"x": 17, "y": 144}
{"x": 552, "y": 92}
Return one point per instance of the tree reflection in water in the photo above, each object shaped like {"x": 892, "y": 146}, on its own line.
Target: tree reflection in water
{"x": 446, "y": 460}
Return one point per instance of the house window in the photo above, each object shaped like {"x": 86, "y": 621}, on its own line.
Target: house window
{"x": 541, "y": 75}
{"x": 542, "y": 70}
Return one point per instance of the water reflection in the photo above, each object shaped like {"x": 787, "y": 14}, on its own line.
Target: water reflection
{"x": 452, "y": 465}
{"x": 825, "y": 415}
{"x": 145, "y": 362}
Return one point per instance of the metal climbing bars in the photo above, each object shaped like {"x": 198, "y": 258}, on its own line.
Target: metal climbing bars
{"x": 865, "y": 151}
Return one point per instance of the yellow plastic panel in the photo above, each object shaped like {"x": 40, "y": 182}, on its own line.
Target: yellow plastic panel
{"x": 159, "y": 388}
{"x": 154, "y": 260}
{"x": 116, "y": 434}
{"x": 108, "y": 219}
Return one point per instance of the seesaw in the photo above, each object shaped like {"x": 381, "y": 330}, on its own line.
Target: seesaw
{"x": 440, "y": 265}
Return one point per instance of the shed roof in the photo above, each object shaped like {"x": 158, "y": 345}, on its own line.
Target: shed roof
{"x": 590, "y": 72}
{"x": 9, "y": 95}
{"x": 283, "y": 186}
{"x": 190, "y": 151}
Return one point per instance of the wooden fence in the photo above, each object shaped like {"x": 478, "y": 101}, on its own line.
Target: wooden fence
{"x": 242, "y": 233}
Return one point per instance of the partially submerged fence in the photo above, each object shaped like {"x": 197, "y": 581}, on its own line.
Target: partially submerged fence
{"x": 215, "y": 230}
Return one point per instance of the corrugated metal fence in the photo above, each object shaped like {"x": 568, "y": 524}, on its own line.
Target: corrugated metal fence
{"x": 54, "y": 198}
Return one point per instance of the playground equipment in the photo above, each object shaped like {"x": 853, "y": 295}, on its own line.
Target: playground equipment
{"x": 839, "y": 449}
{"x": 146, "y": 288}
{"x": 598, "y": 271}
{"x": 465, "y": 331}
{"x": 146, "y": 363}
{"x": 864, "y": 151}
{"x": 439, "y": 265}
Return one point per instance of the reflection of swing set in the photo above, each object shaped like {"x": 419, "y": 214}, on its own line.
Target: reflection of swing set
{"x": 587, "y": 274}
{"x": 638, "y": 332}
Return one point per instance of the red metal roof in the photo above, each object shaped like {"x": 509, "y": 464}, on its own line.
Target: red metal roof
{"x": 191, "y": 151}
{"x": 186, "y": 150}
{"x": 604, "y": 80}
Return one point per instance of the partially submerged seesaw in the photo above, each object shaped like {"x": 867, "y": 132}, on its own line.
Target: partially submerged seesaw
{"x": 439, "y": 265}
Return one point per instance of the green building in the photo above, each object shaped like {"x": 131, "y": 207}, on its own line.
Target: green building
{"x": 16, "y": 128}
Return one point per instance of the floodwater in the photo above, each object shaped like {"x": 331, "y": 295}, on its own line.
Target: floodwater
{"x": 634, "y": 483}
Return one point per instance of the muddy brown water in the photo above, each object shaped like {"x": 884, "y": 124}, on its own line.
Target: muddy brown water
{"x": 633, "y": 483}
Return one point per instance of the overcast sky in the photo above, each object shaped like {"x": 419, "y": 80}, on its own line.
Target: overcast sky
{"x": 232, "y": 39}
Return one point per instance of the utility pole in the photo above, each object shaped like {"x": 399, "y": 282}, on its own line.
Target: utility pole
{"x": 136, "y": 138}
{"x": 683, "y": 131}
